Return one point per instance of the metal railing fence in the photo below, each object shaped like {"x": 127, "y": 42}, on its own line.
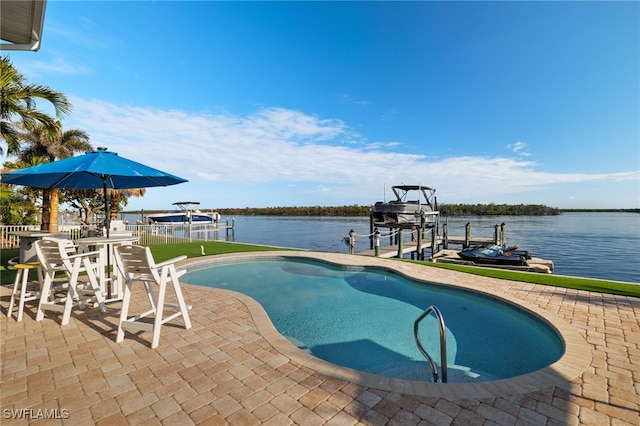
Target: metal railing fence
{"x": 179, "y": 233}
{"x": 147, "y": 234}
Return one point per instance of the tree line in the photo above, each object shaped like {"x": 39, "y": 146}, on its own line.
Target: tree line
{"x": 497, "y": 210}
{"x": 357, "y": 210}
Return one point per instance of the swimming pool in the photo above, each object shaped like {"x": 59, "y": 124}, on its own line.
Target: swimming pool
{"x": 362, "y": 318}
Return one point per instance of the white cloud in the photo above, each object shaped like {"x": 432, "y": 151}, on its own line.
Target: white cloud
{"x": 277, "y": 145}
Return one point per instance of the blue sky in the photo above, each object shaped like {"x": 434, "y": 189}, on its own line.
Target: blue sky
{"x": 329, "y": 103}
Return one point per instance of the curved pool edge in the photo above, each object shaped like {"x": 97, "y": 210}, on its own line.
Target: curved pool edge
{"x": 575, "y": 360}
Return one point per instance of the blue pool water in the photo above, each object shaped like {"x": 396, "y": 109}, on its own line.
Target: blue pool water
{"x": 362, "y": 318}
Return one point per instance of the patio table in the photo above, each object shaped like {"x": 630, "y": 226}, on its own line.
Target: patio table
{"x": 111, "y": 284}
{"x": 27, "y": 240}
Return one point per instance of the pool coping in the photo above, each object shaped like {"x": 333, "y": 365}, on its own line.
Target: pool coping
{"x": 575, "y": 360}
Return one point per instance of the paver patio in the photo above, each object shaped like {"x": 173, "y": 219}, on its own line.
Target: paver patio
{"x": 224, "y": 370}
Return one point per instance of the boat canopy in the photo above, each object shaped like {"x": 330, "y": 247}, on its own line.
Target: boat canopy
{"x": 402, "y": 191}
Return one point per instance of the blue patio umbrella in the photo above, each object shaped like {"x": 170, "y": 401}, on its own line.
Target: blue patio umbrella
{"x": 93, "y": 170}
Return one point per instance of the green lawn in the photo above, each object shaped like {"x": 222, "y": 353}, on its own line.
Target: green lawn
{"x": 163, "y": 252}
{"x": 589, "y": 284}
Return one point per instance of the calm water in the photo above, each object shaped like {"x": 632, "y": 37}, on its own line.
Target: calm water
{"x": 595, "y": 245}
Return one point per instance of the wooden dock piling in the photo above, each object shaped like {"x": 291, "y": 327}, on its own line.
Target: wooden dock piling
{"x": 467, "y": 235}
{"x": 439, "y": 245}
{"x": 420, "y": 241}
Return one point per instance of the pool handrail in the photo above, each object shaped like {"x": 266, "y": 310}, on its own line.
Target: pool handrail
{"x": 443, "y": 343}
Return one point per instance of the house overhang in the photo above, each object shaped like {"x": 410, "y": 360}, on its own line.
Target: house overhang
{"x": 21, "y": 23}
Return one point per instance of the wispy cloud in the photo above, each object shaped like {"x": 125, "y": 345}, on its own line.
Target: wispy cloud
{"x": 518, "y": 148}
{"x": 35, "y": 68}
{"x": 288, "y": 146}
{"x": 382, "y": 145}
{"x": 348, "y": 99}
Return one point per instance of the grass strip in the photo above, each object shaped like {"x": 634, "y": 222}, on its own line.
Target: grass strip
{"x": 577, "y": 283}
{"x": 162, "y": 252}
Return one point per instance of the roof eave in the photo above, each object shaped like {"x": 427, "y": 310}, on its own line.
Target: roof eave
{"x": 35, "y": 30}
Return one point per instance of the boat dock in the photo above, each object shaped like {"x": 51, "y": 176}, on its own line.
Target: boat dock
{"x": 437, "y": 244}
{"x": 418, "y": 215}
{"x": 423, "y": 238}
{"x": 535, "y": 264}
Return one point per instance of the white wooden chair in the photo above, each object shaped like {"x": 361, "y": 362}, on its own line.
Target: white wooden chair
{"x": 136, "y": 264}
{"x": 57, "y": 255}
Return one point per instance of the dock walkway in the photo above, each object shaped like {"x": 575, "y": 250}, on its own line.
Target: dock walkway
{"x": 392, "y": 250}
{"x": 412, "y": 246}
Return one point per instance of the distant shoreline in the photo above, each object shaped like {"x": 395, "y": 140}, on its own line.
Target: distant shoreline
{"x": 600, "y": 210}
{"x": 445, "y": 210}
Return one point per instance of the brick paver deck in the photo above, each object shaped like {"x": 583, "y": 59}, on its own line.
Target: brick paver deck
{"x": 229, "y": 369}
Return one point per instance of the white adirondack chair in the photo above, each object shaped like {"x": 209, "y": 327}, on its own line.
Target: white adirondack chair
{"x": 60, "y": 256}
{"x": 137, "y": 265}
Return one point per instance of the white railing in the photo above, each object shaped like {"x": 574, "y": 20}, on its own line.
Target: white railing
{"x": 177, "y": 233}
{"x": 12, "y": 241}
{"x": 147, "y": 234}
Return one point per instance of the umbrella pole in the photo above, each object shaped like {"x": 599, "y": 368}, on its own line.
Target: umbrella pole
{"x": 107, "y": 223}
{"x": 107, "y": 209}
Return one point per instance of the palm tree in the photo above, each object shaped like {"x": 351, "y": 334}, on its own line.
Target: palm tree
{"x": 18, "y": 99}
{"x": 52, "y": 145}
{"x": 120, "y": 196}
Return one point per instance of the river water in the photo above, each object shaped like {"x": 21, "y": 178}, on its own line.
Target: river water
{"x": 594, "y": 245}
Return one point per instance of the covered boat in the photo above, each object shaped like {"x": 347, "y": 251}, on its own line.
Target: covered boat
{"x": 411, "y": 203}
{"x": 495, "y": 255}
{"x": 185, "y": 213}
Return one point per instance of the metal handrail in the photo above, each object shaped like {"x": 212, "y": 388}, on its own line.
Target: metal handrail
{"x": 443, "y": 343}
